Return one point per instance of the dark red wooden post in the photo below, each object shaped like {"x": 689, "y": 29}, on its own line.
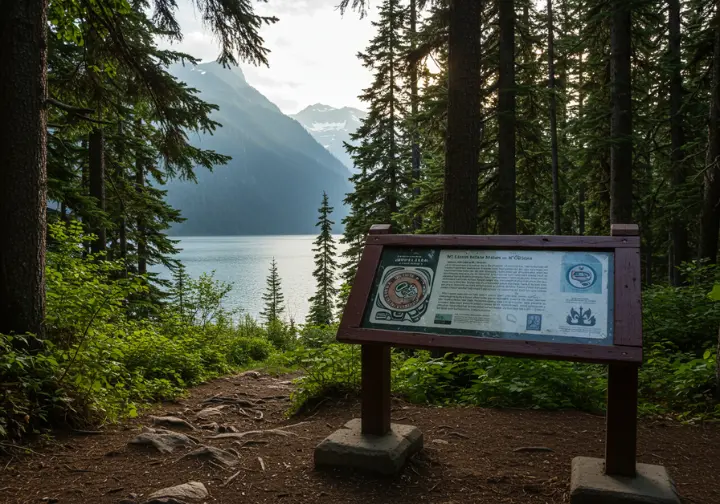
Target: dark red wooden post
{"x": 375, "y": 408}
{"x": 622, "y": 395}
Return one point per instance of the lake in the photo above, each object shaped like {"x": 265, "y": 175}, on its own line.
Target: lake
{"x": 244, "y": 261}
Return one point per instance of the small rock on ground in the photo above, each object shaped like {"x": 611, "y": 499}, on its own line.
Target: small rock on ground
{"x": 193, "y": 491}
{"x": 162, "y": 440}
{"x": 215, "y": 454}
{"x": 172, "y": 422}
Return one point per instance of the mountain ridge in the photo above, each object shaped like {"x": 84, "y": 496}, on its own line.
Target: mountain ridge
{"x": 331, "y": 127}
{"x": 275, "y": 181}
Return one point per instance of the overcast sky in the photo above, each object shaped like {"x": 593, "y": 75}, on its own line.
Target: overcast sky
{"x": 313, "y": 52}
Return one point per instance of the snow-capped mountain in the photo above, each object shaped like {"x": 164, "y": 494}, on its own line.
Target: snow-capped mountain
{"x": 331, "y": 127}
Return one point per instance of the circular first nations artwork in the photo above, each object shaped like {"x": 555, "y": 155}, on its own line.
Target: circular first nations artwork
{"x": 404, "y": 291}
{"x": 581, "y": 276}
{"x": 403, "y": 294}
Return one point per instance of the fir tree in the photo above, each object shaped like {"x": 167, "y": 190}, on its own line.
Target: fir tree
{"x": 322, "y": 303}
{"x": 273, "y": 297}
{"x": 379, "y": 148}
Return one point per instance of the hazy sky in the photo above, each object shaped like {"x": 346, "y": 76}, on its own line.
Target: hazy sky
{"x": 313, "y": 52}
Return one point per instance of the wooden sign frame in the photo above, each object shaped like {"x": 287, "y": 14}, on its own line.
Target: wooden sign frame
{"x": 624, "y": 355}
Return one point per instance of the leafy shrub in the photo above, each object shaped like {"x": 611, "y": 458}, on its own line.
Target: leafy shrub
{"x": 100, "y": 361}
{"x": 316, "y": 336}
{"x": 246, "y": 350}
{"x": 683, "y": 319}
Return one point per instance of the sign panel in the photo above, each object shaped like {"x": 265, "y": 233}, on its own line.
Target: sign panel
{"x": 537, "y": 295}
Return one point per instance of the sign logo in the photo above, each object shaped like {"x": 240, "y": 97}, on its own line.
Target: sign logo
{"x": 404, "y": 293}
{"x": 404, "y": 290}
{"x": 581, "y": 276}
{"x": 581, "y": 318}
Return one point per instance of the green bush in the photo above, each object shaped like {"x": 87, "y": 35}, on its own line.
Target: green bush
{"x": 246, "y": 350}
{"x": 683, "y": 319}
{"x": 100, "y": 361}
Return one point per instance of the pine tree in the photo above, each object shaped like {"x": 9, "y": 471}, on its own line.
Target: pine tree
{"x": 379, "y": 149}
{"x": 273, "y": 297}
{"x": 322, "y": 303}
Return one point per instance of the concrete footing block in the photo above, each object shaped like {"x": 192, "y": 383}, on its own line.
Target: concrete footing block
{"x": 348, "y": 447}
{"x": 590, "y": 485}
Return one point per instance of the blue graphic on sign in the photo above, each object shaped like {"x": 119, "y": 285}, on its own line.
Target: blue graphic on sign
{"x": 534, "y": 322}
{"x": 581, "y": 273}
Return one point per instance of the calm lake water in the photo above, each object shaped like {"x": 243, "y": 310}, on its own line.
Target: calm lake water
{"x": 244, "y": 261}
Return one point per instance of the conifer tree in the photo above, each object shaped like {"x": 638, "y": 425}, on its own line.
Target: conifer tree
{"x": 379, "y": 149}
{"x": 273, "y": 298}
{"x": 322, "y": 303}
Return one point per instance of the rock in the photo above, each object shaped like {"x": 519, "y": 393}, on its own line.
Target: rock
{"x": 215, "y": 454}
{"x": 251, "y": 374}
{"x": 210, "y": 412}
{"x": 162, "y": 440}
{"x": 439, "y": 441}
{"x": 165, "y": 500}
{"x": 211, "y": 426}
{"x": 532, "y": 449}
{"x": 192, "y": 491}
{"x": 172, "y": 422}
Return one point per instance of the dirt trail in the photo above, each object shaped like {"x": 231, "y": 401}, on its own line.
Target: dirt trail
{"x": 470, "y": 455}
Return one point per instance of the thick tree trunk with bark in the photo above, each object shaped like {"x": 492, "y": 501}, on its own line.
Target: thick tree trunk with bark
{"x": 462, "y": 146}
{"x": 96, "y": 148}
{"x": 553, "y": 121}
{"x": 506, "y": 215}
{"x": 414, "y": 100}
{"x": 710, "y": 218}
{"x": 621, "y": 123}
{"x": 23, "y": 172}
{"x": 678, "y": 231}
{"x": 141, "y": 231}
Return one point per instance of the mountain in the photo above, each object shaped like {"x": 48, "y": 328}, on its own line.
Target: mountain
{"x": 278, "y": 172}
{"x": 331, "y": 127}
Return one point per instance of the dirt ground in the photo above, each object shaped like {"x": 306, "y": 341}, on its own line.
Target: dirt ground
{"x": 469, "y": 455}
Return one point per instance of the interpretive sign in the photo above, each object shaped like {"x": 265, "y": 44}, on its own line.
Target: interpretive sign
{"x": 552, "y": 297}
{"x": 536, "y": 295}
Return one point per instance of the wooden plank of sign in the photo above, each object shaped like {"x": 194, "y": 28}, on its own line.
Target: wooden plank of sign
{"x": 621, "y": 420}
{"x": 627, "y": 328}
{"x": 624, "y": 230}
{"x": 375, "y": 395}
{"x": 580, "y": 352}
{"x": 517, "y": 242}
{"x": 362, "y": 285}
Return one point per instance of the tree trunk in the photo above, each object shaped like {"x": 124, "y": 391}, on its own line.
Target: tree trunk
{"x": 553, "y": 121}
{"x": 506, "y": 216}
{"x": 141, "y": 238}
{"x": 96, "y": 148}
{"x": 710, "y": 218}
{"x": 462, "y": 148}
{"x": 621, "y": 123}
{"x": 717, "y": 369}
{"x": 414, "y": 100}
{"x": 23, "y": 170}
{"x": 678, "y": 233}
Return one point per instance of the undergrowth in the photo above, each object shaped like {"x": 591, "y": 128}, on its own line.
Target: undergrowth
{"x": 104, "y": 354}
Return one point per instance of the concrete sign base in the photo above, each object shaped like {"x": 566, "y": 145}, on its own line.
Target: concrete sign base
{"x": 590, "y": 485}
{"x": 348, "y": 447}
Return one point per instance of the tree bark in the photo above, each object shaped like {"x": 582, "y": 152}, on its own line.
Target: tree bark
{"x": 414, "y": 100}
{"x": 23, "y": 170}
{"x": 710, "y": 217}
{"x": 462, "y": 148}
{"x": 506, "y": 215}
{"x": 96, "y": 148}
{"x": 141, "y": 231}
{"x": 553, "y": 121}
{"x": 678, "y": 232}
{"x": 621, "y": 123}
